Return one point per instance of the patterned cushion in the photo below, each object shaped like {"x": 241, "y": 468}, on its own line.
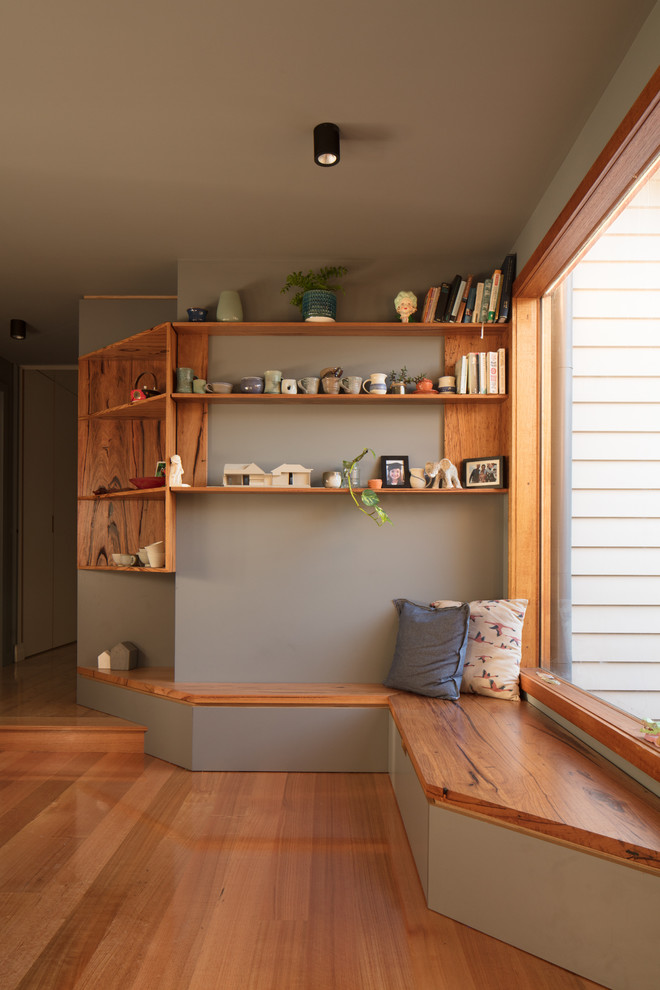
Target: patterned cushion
{"x": 492, "y": 664}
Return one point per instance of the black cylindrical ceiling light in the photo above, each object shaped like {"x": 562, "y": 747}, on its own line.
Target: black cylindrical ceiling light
{"x": 326, "y": 144}
{"x": 17, "y": 329}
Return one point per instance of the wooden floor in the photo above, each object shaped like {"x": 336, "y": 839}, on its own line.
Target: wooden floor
{"x": 122, "y": 871}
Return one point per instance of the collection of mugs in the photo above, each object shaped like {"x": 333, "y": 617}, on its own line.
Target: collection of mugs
{"x": 152, "y": 555}
{"x": 331, "y": 383}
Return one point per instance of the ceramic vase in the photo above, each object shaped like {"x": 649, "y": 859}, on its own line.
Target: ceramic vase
{"x": 230, "y": 309}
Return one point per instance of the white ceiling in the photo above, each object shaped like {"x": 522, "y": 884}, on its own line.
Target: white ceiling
{"x": 141, "y": 131}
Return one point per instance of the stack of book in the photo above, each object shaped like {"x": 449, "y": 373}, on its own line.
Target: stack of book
{"x": 471, "y": 299}
{"x": 481, "y": 373}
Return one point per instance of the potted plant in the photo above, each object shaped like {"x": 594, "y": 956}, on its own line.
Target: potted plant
{"x": 316, "y": 292}
{"x": 369, "y": 498}
{"x": 401, "y": 380}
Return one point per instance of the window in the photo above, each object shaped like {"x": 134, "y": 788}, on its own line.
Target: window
{"x": 604, "y": 571}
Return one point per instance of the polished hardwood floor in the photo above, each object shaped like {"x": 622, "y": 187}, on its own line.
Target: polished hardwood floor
{"x": 121, "y": 872}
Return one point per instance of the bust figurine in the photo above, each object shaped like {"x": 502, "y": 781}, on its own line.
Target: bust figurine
{"x": 405, "y": 304}
{"x": 176, "y": 473}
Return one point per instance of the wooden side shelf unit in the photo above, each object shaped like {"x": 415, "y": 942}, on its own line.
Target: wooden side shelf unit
{"x": 119, "y": 440}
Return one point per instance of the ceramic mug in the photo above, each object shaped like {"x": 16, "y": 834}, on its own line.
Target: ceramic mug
{"x": 143, "y": 554}
{"x": 159, "y": 546}
{"x": 273, "y": 380}
{"x": 331, "y": 385}
{"x": 199, "y": 386}
{"x": 417, "y": 479}
{"x": 156, "y": 558}
{"x": 351, "y": 384}
{"x": 197, "y": 315}
{"x": 289, "y": 386}
{"x": 124, "y": 559}
{"x": 332, "y": 479}
{"x": 184, "y": 379}
{"x": 309, "y": 386}
{"x": 377, "y": 383}
{"x": 219, "y": 388}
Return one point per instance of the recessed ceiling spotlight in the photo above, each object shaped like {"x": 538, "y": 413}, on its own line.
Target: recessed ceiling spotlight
{"x": 326, "y": 144}
{"x": 17, "y": 329}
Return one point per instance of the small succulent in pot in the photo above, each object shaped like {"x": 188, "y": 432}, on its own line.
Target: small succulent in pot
{"x": 316, "y": 292}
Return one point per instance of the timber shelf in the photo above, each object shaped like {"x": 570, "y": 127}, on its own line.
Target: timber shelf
{"x": 322, "y": 398}
{"x": 275, "y": 490}
{"x": 266, "y": 329}
{"x": 152, "y": 408}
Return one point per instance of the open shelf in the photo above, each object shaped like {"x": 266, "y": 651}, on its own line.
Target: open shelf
{"x": 338, "y": 329}
{"x": 322, "y": 398}
{"x": 273, "y": 490}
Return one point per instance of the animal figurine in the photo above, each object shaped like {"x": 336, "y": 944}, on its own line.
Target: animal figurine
{"x": 176, "y": 472}
{"x": 443, "y": 474}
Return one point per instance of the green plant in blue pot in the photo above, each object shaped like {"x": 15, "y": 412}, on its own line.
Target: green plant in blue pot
{"x": 316, "y": 295}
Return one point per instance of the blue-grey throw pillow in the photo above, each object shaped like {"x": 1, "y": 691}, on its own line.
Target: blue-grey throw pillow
{"x": 430, "y": 649}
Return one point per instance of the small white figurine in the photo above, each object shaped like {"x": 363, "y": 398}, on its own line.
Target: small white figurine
{"x": 176, "y": 473}
{"x": 443, "y": 473}
{"x": 405, "y": 304}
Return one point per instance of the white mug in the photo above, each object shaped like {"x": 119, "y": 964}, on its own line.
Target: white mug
{"x": 289, "y": 386}
{"x": 378, "y": 382}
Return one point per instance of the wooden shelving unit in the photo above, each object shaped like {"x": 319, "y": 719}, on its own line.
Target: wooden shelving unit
{"x": 119, "y": 439}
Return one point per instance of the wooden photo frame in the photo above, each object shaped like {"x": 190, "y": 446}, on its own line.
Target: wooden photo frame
{"x": 394, "y": 471}
{"x": 483, "y": 472}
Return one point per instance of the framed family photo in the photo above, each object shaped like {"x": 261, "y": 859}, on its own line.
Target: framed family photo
{"x": 483, "y": 472}
{"x": 394, "y": 471}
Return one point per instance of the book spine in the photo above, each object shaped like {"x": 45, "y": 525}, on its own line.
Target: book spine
{"x": 501, "y": 371}
{"x": 508, "y": 277}
{"x": 464, "y": 298}
{"x": 469, "y": 306}
{"x": 483, "y": 372}
{"x": 492, "y": 373}
{"x": 478, "y": 299}
{"x": 495, "y": 296}
{"x": 472, "y": 374}
{"x": 488, "y": 288}
{"x": 457, "y": 302}
{"x": 453, "y": 292}
{"x": 462, "y": 375}
{"x": 441, "y": 308}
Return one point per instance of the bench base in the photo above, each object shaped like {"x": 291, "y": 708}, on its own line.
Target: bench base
{"x": 585, "y": 913}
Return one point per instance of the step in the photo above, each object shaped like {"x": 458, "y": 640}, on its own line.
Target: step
{"x": 102, "y": 734}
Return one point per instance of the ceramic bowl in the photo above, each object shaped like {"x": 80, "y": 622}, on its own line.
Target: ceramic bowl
{"x": 251, "y": 384}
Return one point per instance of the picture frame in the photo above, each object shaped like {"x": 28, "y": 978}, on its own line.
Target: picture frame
{"x": 483, "y": 472}
{"x": 160, "y": 468}
{"x": 394, "y": 471}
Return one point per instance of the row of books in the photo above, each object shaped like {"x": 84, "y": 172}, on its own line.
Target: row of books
{"x": 471, "y": 299}
{"x": 481, "y": 373}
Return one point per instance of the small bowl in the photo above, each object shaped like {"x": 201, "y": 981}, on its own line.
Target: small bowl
{"x": 220, "y": 388}
{"x": 252, "y": 384}
{"x": 148, "y": 482}
{"x": 197, "y": 315}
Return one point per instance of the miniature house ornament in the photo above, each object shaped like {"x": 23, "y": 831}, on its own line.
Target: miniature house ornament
{"x": 405, "y": 304}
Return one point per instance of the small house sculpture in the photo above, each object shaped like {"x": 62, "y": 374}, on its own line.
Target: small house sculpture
{"x": 246, "y": 475}
{"x": 292, "y": 476}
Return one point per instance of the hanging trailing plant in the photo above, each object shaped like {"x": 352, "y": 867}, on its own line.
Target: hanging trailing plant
{"x": 369, "y": 498}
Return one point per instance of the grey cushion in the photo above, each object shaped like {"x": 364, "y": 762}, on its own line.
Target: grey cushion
{"x": 430, "y": 649}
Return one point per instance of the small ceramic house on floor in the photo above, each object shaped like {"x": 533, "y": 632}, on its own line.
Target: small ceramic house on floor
{"x": 246, "y": 475}
{"x": 292, "y": 476}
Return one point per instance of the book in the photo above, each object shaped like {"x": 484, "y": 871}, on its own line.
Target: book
{"x": 492, "y": 362}
{"x": 443, "y": 298}
{"x": 461, "y": 373}
{"x": 494, "y": 300}
{"x": 501, "y": 371}
{"x": 452, "y": 315}
{"x": 464, "y": 298}
{"x": 430, "y": 304}
{"x": 476, "y": 314}
{"x": 483, "y": 372}
{"x": 488, "y": 286}
{"x": 472, "y": 374}
{"x": 453, "y": 292}
{"x": 508, "y": 276}
{"x": 469, "y": 306}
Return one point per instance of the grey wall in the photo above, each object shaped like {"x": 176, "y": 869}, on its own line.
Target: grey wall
{"x": 629, "y": 80}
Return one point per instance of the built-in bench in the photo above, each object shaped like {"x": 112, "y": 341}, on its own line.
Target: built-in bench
{"x": 517, "y": 827}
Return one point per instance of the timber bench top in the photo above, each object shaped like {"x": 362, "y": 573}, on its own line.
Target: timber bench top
{"x": 508, "y": 761}
{"x": 501, "y": 760}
